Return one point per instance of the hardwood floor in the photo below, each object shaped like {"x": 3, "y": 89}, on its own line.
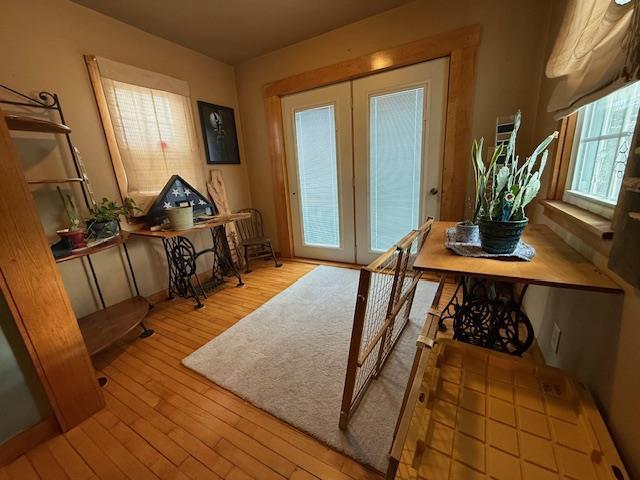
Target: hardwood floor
{"x": 165, "y": 421}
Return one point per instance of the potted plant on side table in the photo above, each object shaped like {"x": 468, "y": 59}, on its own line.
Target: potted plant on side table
{"x": 503, "y": 190}
{"x": 103, "y": 221}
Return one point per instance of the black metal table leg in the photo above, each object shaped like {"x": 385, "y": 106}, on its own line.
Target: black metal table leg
{"x": 223, "y": 259}
{"x": 487, "y": 313}
{"x": 166, "y": 243}
{"x": 181, "y": 263}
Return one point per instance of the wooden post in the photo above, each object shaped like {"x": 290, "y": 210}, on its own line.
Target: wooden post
{"x": 354, "y": 348}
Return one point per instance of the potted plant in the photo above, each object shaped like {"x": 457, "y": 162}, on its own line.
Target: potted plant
{"x": 467, "y": 232}
{"x": 103, "y": 221}
{"x": 74, "y": 233}
{"x": 504, "y": 190}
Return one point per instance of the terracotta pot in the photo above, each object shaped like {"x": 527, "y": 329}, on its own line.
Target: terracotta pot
{"x": 76, "y": 237}
{"x": 501, "y": 237}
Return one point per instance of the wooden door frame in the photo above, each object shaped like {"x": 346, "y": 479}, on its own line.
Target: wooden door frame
{"x": 458, "y": 45}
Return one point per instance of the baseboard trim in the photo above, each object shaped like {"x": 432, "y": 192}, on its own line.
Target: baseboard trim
{"x": 27, "y": 439}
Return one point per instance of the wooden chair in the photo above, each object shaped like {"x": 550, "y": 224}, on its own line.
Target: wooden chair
{"x": 253, "y": 239}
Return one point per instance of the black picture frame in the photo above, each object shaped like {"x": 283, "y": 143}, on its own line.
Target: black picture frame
{"x": 218, "y": 124}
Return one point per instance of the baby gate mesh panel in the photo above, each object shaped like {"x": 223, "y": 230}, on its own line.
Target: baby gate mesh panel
{"x": 386, "y": 290}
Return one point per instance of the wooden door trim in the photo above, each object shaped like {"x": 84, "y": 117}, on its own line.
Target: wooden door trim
{"x": 38, "y": 302}
{"x": 459, "y": 45}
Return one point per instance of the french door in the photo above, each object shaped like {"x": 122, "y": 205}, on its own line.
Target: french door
{"x": 319, "y": 147}
{"x": 364, "y": 161}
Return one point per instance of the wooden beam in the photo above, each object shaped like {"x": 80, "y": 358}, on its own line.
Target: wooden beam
{"x": 459, "y": 45}
{"x": 430, "y": 48}
{"x": 457, "y": 139}
{"x": 35, "y": 294}
{"x": 562, "y": 158}
{"x": 275, "y": 128}
{"x": 107, "y": 126}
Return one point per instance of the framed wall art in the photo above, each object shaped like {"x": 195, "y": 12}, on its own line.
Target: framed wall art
{"x": 218, "y": 125}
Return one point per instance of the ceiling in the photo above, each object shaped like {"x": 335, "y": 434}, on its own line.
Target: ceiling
{"x": 236, "y": 30}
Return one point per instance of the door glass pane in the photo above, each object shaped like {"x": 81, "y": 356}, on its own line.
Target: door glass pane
{"x": 395, "y": 153}
{"x": 318, "y": 176}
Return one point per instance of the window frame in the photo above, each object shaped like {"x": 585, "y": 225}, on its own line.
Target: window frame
{"x": 595, "y": 230}
{"x": 587, "y": 202}
{"x": 599, "y": 206}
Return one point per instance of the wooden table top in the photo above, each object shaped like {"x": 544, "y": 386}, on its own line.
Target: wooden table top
{"x": 214, "y": 222}
{"x": 555, "y": 264}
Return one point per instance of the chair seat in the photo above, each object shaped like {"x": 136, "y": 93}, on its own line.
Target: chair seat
{"x": 255, "y": 241}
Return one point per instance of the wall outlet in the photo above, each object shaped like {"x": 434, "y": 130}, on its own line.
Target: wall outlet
{"x": 555, "y": 337}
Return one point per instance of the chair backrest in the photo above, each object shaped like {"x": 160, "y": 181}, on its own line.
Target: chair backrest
{"x": 251, "y": 227}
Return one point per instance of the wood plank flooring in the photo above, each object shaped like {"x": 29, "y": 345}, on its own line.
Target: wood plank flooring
{"x": 163, "y": 421}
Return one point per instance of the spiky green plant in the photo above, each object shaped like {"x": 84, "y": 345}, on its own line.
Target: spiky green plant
{"x": 71, "y": 209}
{"x": 503, "y": 192}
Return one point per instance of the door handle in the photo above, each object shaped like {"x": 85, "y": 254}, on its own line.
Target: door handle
{"x": 433, "y": 191}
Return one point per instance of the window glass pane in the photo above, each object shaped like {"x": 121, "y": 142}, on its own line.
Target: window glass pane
{"x": 603, "y": 167}
{"x": 604, "y": 139}
{"x": 584, "y": 171}
{"x": 395, "y": 153}
{"x": 318, "y": 176}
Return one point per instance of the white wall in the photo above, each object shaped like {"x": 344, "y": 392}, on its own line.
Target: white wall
{"x": 43, "y": 42}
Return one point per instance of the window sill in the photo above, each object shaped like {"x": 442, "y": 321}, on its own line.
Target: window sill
{"x": 589, "y": 227}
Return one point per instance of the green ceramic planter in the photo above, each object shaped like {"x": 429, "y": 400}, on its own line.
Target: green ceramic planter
{"x": 501, "y": 237}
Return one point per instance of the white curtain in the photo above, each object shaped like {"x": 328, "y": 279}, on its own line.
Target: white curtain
{"x": 590, "y": 53}
{"x": 153, "y": 125}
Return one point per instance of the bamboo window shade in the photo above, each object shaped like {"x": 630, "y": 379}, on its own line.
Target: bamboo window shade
{"x": 153, "y": 126}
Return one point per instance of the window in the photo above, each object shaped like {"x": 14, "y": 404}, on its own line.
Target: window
{"x": 601, "y": 145}
{"x": 149, "y": 127}
{"x": 155, "y": 134}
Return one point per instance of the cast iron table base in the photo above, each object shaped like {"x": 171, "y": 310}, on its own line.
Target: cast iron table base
{"x": 487, "y": 313}
{"x": 181, "y": 261}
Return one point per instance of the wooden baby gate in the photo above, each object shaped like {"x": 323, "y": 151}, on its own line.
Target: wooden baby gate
{"x": 385, "y": 295}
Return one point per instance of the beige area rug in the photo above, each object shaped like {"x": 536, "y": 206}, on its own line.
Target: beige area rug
{"x": 289, "y": 357}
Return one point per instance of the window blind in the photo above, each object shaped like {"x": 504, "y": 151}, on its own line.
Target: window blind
{"x": 395, "y": 152}
{"x": 153, "y": 125}
{"x": 318, "y": 176}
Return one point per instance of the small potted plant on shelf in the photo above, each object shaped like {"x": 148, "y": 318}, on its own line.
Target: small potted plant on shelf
{"x": 503, "y": 190}
{"x": 103, "y": 221}
{"x": 74, "y": 233}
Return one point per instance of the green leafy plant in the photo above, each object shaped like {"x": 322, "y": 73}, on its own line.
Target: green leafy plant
{"x": 504, "y": 190}
{"x": 71, "y": 210}
{"x": 108, "y": 210}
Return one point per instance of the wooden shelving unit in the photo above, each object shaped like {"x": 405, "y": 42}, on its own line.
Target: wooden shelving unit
{"x": 32, "y": 124}
{"x": 113, "y": 242}
{"x": 55, "y": 180}
{"x": 104, "y": 327}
